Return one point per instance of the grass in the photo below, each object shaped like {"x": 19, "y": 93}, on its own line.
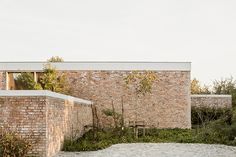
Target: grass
{"x": 214, "y": 132}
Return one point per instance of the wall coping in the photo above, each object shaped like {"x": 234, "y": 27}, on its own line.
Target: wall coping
{"x": 155, "y": 66}
{"x": 211, "y": 95}
{"x": 43, "y": 93}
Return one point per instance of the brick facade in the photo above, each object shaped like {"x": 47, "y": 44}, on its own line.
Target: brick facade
{"x": 211, "y": 101}
{"x": 65, "y": 119}
{"x": 168, "y": 106}
{"x": 2, "y": 80}
{"x": 51, "y": 119}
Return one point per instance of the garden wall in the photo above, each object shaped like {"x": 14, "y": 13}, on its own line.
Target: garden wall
{"x": 211, "y": 101}
{"x": 51, "y": 116}
{"x": 168, "y": 106}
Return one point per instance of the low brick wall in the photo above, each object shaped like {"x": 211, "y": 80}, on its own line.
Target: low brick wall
{"x": 211, "y": 101}
{"x": 51, "y": 116}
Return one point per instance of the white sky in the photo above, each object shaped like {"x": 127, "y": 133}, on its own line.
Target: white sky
{"x": 200, "y": 31}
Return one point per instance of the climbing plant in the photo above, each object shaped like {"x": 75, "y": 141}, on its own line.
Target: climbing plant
{"x": 142, "y": 81}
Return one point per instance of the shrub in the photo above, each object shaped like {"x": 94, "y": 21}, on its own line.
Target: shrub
{"x": 218, "y": 131}
{"x": 25, "y": 81}
{"x": 54, "y": 81}
{"x": 201, "y": 116}
{"x": 14, "y": 145}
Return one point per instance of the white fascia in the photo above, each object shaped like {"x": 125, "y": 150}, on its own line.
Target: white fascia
{"x": 122, "y": 66}
{"x": 29, "y": 93}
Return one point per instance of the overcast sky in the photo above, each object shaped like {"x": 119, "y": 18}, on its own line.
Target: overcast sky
{"x": 200, "y": 31}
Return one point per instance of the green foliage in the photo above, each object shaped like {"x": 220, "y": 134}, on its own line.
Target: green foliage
{"x": 50, "y": 80}
{"x": 55, "y": 59}
{"x": 116, "y": 116}
{"x": 141, "y": 81}
{"x": 196, "y": 88}
{"x": 14, "y": 145}
{"x": 218, "y": 131}
{"x": 201, "y": 116}
{"x": 215, "y": 133}
{"x": 226, "y": 86}
{"x": 53, "y": 80}
{"x": 25, "y": 81}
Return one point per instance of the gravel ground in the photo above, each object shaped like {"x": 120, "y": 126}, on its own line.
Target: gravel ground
{"x": 158, "y": 150}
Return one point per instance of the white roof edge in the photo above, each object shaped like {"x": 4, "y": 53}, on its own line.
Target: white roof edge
{"x": 211, "y": 95}
{"x": 42, "y": 93}
{"x": 155, "y": 66}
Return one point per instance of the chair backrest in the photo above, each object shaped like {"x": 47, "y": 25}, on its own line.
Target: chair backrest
{"x": 136, "y": 123}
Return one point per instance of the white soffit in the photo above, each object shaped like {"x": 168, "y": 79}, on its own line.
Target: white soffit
{"x": 155, "y": 66}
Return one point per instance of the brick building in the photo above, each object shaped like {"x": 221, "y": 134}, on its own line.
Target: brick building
{"x": 168, "y": 106}
{"x": 54, "y": 117}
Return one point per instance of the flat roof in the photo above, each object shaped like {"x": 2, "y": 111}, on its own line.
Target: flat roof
{"x": 155, "y": 66}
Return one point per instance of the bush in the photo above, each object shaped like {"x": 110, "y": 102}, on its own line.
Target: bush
{"x": 201, "y": 116}
{"x": 219, "y": 128}
{"x": 25, "y": 81}
{"x": 13, "y": 145}
{"x": 108, "y": 137}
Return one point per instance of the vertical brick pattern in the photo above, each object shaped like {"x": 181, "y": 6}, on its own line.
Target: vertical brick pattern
{"x": 2, "y": 80}
{"x": 211, "y": 101}
{"x": 51, "y": 119}
{"x": 65, "y": 119}
{"x": 168, "y": 106}
{"x": 24, "y": 115}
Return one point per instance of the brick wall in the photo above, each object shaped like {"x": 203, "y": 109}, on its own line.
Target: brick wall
{"x": 27, "y": 114}
{"x": 65, "y": 119}
{"x": 211, "y": 101}
{"x": 51, "y": 118}
{"x": 2, "y": 80}
{"x": 168, "y": 106}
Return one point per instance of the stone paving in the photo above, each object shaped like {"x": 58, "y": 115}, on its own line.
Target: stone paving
{"x": 158, "y": 150}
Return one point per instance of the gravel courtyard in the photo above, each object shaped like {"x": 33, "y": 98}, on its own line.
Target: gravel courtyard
{"x": 158, "y": 150}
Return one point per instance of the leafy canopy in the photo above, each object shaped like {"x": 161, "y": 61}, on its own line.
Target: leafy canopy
{"x": 55, "y": 59}
{"x": 196, "y": 88}
{"x": 51, "y": 79}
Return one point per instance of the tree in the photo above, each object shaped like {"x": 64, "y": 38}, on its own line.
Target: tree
{"x": 196, "y": 88}
{"x": 25, "y": 81}
{"x": 226, "y": 86}
{"x": 53, "y": 80}
{"x": 50, "y": 80}
{"x": 55, "y": 59}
